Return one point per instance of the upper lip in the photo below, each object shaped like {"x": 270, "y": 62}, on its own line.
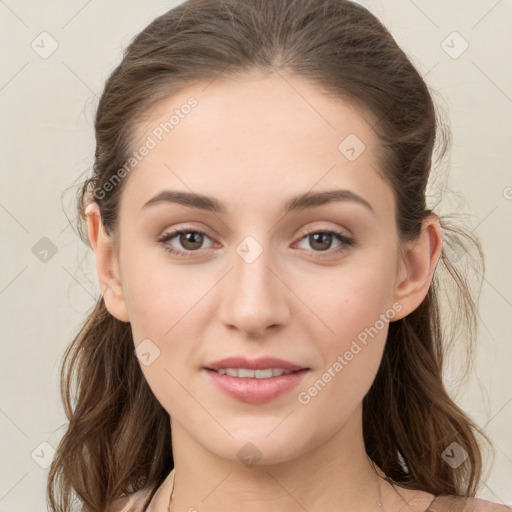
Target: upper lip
{"x": 253, "y": 364}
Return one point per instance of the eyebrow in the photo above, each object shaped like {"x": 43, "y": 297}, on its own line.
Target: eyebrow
{"x": 296, "y": 203}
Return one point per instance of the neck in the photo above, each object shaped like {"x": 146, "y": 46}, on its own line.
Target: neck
{"x": 334, "y": 475}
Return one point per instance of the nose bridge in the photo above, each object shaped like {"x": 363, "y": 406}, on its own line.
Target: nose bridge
{"x": 252, "y": 274}
{"x": 254, "y": 298}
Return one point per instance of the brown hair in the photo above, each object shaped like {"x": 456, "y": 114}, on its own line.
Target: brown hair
{"x": 118, "y": 438}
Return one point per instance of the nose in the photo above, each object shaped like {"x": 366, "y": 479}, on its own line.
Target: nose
{"x": 254, "y": 298}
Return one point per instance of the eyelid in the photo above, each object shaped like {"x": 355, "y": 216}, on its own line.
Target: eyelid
{"x": 345, "y": 233}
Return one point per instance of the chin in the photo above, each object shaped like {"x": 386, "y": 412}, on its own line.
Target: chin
{"x": 254, "y": 447}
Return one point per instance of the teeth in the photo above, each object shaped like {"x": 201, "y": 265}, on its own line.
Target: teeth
{"x": 246, "y": 373}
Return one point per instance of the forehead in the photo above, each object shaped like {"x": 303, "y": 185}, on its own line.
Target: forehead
{"x": 256, "y": 137}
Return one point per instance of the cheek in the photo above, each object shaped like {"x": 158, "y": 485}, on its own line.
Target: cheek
{"x": 350, "y": 298}
{"x": 358, "y": 316}
{"x": 355, "y": 306}
{"x": 159, "y": 294}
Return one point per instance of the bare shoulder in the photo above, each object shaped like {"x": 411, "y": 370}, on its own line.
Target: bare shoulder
{"x": 461, "y": 504}
{"x": 132, "y": 503}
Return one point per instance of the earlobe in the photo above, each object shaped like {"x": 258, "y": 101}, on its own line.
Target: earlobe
{"x": 418, "y": 264}
{"x": 107, "y": 264}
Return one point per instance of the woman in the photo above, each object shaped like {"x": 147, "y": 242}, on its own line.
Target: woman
{"x": 269, "y": 335}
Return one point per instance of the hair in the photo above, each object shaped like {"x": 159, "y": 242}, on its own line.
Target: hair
{"x": 118, "y": 438}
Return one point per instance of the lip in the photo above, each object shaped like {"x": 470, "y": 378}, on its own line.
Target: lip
{"x": 253, "y": 390}
{"x": 254, "y": 364}
{"x": 256, "y": 391}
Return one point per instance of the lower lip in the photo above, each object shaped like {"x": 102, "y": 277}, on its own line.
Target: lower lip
{"x": 256, "y": 391}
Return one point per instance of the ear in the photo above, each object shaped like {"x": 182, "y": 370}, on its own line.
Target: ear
{"x": 107, "y": 264}
{"x": 417, "y": 265}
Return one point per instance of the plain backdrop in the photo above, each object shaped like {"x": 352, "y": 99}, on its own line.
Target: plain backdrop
{"x": 47, "y": 277}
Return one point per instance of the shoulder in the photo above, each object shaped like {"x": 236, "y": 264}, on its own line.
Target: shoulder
{"x": 461, "y": 504}
{"x": 132, "y": 503}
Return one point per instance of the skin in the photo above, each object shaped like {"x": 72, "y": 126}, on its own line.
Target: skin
{"x": 252, "y": 142}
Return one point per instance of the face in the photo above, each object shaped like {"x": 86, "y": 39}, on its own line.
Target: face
{"x": 314, "y": 286}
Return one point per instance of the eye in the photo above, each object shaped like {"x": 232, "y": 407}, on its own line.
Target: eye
{"x": 321, "y": 241}
{"x": 190, "y": 240}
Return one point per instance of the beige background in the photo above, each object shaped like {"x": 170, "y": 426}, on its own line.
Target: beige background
{"x": 47, "y": 143}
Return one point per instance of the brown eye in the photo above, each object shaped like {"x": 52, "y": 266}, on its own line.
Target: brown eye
{"x": 191, "y": 240}
{"x": 320, "y": 241}
{"x": 184, "y": 242}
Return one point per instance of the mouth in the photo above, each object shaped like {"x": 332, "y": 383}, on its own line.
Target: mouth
{"x": 248, "y": 373}
{"x": 256, "y": 386}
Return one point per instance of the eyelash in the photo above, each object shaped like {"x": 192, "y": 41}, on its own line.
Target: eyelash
{"x": 345, "y": 241}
